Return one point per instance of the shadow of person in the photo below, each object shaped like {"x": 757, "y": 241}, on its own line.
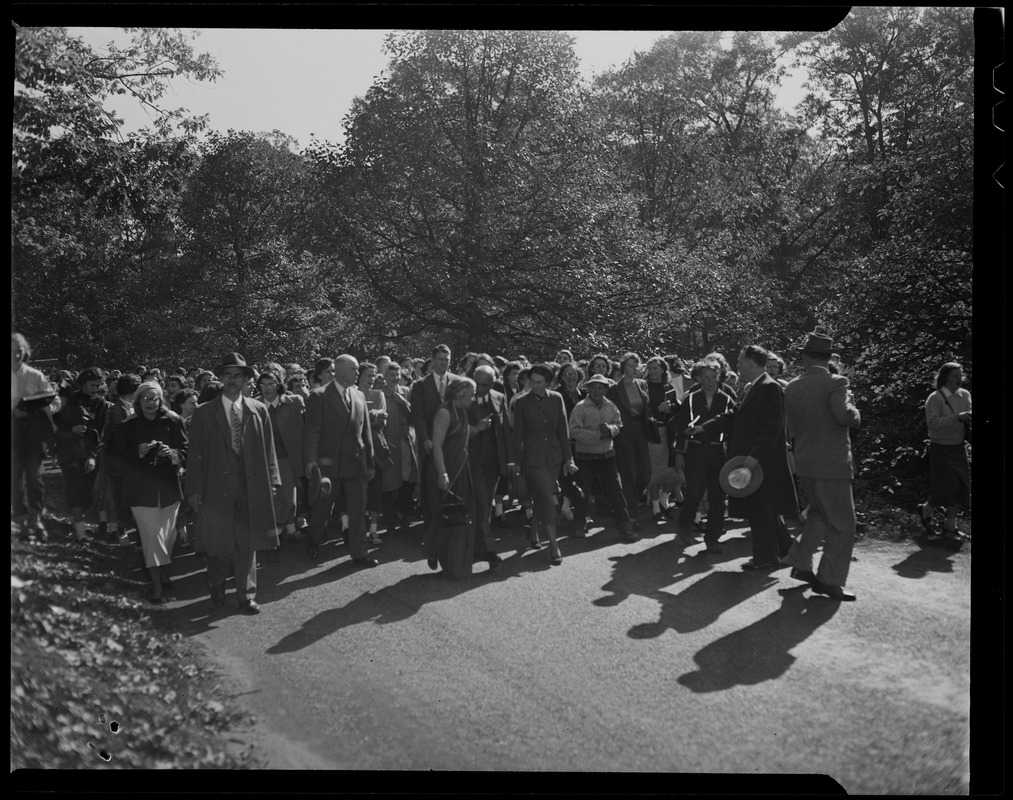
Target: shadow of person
{"x": 646, "y": 571}
{"x": 929, "y": 557}
{"x": 702, "y": 603}
{"x": 761, "y": 651}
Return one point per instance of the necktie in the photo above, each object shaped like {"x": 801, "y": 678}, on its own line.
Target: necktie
{"x": 237, "y": 430}
{"x": 440, "y": 385}
{"x": 348, "y": 397}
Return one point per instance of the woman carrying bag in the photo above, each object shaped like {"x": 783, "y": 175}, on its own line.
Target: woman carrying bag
{"x": 456, "y": 515}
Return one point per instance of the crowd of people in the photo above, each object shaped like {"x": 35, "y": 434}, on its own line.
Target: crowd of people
{"x": 239, "y": 458}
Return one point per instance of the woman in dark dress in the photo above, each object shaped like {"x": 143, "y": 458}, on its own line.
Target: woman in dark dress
{"x": 450, "y": 459}
{"x": 151, "y": 449}
{"x": 947, "y": 416}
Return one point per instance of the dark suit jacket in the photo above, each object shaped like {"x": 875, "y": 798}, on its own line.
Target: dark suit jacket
{"x": 756, "y": 428}
{"x": 425, "y": 402}
{"x": 499, "y": 432}
{"x": 617, "y": 394}
{"x": 541, "y": 433}
{"x": 338, "y": 439}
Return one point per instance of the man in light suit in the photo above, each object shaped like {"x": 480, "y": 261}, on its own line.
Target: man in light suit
{"x": 490, "y": 455}
{"x": 819, "y": 409}
{"x": 426, "y": 397}
{"x": 231, "y": 479}
{"x": 338, "y": 440}
{"x": 756, "y": 430}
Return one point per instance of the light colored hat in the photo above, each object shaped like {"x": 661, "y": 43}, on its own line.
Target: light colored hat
{"x": 738, "y": 480}
{"x": 598, "y": 379}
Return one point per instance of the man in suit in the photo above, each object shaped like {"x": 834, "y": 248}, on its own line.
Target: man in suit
{"x": 820, "y": 410}
{"x": 426, "y": 397}
{"x": 490, "y": 456}
{"x": 231, "y": 479}
{"x": 337, "y": 439}
{"x": 756, "y": 430}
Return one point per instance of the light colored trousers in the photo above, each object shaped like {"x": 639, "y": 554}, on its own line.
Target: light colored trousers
{"x": 830, "y": 522}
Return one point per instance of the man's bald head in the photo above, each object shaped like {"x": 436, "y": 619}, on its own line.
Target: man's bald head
{"x": 484, "y": 377}
{"x": 346, "y": 370}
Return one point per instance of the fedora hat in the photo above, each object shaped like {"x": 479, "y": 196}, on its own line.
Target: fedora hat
{"x": 319, "y": 486}
{"x": 235, "y": 360}
{"x": 818, "y": 345}
{"x": 598, "y": 379}
{"x": 738, "y": 480}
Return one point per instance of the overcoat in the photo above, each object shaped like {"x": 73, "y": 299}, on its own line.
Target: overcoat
{"x": 541, "y": 434}
{"x": 478, "y": 444}
{"x": 210, "y": 458}
{"x": 756, "y": 428}
{"x": 144, "y": 482}
{"x": 289, "y": 418}
{"x": 819, "y": 413}
{"x": 401, "y": 438}
{"x": 425, "y": 402}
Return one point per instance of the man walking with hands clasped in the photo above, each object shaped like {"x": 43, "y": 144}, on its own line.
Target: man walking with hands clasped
{"x": 819, "y": 409}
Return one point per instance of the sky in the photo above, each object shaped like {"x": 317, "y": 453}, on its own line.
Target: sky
{"x": 302, "y": 82}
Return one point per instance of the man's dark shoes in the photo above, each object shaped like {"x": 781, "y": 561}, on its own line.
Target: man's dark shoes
{"x": 714, "y": 548}
{"x": 803, "y": 575}
{"x": 312, "y": 551}
{"x": 434, "y": 563}
{"x": 365, "y": 561}
{"x": 833, "y": 592}
{"x": 249, "y": 607}
{"x": 752, "y": 566}
{"x": 218, "y": 595}
{"x": 494, "y": 562}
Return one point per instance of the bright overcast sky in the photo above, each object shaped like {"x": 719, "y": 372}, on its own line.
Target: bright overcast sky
{"x": 302, "y": 82}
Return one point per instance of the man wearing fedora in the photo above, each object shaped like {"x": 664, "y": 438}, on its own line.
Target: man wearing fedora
{"x": 756, "y": 432}
{"x": 820, "y": 410}
{"x": 231, "y": 479}
{"x": 338, "y": 442}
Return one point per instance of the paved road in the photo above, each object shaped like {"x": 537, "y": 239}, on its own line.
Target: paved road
{"x": 646, "y": 658}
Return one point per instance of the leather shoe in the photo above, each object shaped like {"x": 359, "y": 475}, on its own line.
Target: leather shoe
{"x": 715, "y": 549}
{"x": 494, "y": 561}
{"x": 833, "y": 592}
{"x": 499, "y": 522}
{"x": 218, "y": 595}
{"x": 365, "y": 562}
{"x": 752, "y": 566}
{"x": 434, "y": 563}
{"x": 687, "y": 539}
{"x": 249, "y": 607}
{"x": 808, "y": 576}
{"x": 312, "y": 551}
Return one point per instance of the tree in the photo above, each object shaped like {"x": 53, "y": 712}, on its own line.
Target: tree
{"x": 472, "y": 198}
{"x": 85, "y": 200}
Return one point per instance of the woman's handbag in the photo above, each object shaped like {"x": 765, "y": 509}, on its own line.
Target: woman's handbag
{"x": 381, "y": 451}
{"x": 455, "y": 531}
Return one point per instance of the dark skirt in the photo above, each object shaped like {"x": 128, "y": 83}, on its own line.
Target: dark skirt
{"x": 949, "y": 475}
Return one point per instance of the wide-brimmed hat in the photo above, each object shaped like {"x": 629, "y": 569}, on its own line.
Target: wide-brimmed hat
{"x": 598, "y": 379}
{"x": 235, "y": 360}
{"x": 818, "y": 344}
{"x": 319, "y": 486}
{"x": 737, "y": 479}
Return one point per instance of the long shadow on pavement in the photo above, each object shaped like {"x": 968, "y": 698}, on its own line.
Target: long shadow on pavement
{"x": 402, "y": 600}
{"x": 929, "y": 557}
{"x": 761, "y": 651}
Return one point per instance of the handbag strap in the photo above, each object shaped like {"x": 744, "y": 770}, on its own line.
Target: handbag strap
{"x": 947, "y": 401}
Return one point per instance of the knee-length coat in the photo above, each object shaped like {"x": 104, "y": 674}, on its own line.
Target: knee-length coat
{"x": 209, "y": 460}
